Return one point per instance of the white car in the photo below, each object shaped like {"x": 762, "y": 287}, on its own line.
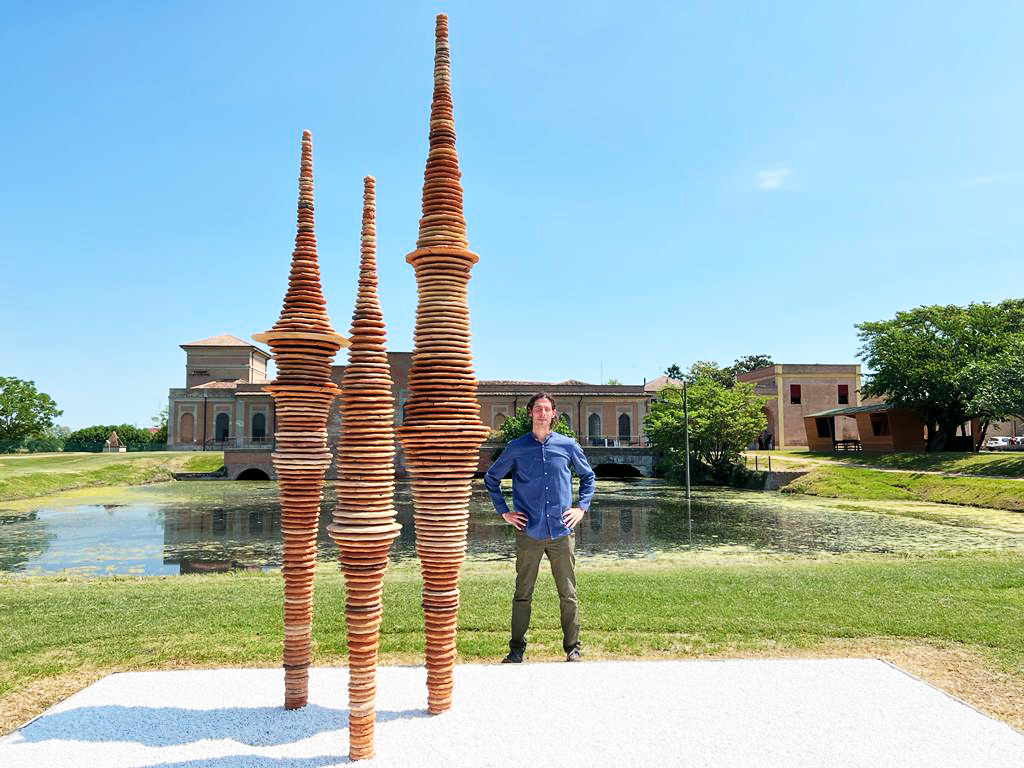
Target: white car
{"x": 997, "y": 443}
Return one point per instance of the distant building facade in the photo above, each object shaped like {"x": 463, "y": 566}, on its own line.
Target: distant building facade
{"x": 601, "y": 415}
{"x": 223, "y": 402}
{"x": 223, "y": 406}
{"x": 798, "y": 390}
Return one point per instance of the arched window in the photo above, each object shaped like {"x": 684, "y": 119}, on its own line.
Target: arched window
{"x": 499, "y": 419}
{"x": 259, "y": 427}
{"x": 220, "y": 428}
{"x": 568, "y": 418}
{"x": 594, "y": 429}
{"x": 187, "y": 432}
{"x": 624, "y": 427}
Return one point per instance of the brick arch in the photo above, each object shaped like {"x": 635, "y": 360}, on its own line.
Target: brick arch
{"x": 187, "y": 428}
{"x": 625, "y": 427}
{"x": 222, "y": 427}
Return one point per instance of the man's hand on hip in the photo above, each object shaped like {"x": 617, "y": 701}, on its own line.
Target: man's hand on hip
{"x": 516, "y": 519}
{"x": 571, "y": 517}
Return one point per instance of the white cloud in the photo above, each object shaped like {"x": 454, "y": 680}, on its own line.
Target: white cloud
{"x": 772, "y": 178}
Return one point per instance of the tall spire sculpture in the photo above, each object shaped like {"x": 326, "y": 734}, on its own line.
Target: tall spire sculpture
{"x": 441, "y": 430}
{"x": 364, "y": 519}
{"x": 303, "y": 345}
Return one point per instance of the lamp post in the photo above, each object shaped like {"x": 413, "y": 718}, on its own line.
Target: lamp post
{"x": 686, "y": 438}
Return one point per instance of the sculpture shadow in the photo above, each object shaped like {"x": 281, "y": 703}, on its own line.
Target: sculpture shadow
{"x": 256, "y": 761}
{"x": 173, "y": 726}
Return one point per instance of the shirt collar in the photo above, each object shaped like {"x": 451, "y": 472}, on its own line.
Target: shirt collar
{"x": 538, "y": 442}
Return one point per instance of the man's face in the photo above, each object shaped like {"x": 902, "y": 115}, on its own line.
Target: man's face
{"x": 542, "y": 414}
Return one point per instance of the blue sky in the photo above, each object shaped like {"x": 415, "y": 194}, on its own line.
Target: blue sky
{"x": 645, "y": 184}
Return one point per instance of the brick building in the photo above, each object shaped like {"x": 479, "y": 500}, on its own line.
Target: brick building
{"x": 798, "y": 390}
{"x": 223, "y": 405}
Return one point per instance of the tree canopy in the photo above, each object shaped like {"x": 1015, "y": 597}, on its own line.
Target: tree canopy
{"x": 710, "y": 369}
{"x": 519, "y": 423}
{"x": 723, "y": 422}
{"x": 674, "y": 372}
{"x": 160, "y": 422}
{"x": 948, "y": 365}
{"x": 24, "y": 412}
{"x": 93, "y": 438}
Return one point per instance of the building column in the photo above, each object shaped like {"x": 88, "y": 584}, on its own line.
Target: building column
{"x": 239, "y": 420}
{"x": 780, "y": 422}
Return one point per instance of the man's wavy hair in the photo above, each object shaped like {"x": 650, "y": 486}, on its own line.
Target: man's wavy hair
{"x": 542, "y": 396}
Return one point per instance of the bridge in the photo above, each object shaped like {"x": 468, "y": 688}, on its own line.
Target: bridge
{"x": 616, "y": 461}
{"x": 253, "y": 463}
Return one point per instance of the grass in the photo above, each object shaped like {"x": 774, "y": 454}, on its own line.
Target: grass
{"x": 28, "y": 475}
{"x": 63, "y": 632}
{"x": 856, "y": 483}
{"x": 989, "y": 464}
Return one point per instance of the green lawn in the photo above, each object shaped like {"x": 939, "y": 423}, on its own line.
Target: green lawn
{"x": 24, "y": 476}
{"x": 54, "y": 625}
{"x": 856, "y": 483}
{"x": 994, "y": 464}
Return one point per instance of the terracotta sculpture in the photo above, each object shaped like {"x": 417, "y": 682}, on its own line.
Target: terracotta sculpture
{"x": 303, "y": 346}
{"x": 364, "y": 520}
{"x": 441, "y": 430}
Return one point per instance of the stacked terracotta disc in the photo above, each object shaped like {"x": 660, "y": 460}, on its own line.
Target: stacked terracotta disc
{"x": 441, "y": 430}
{"x": 364, "y": 519}
{"x": 303, "y": 346}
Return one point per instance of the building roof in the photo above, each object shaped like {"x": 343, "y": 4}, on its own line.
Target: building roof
{"x": 219, "y": 384}
{"x": 825, "y": 369}
{"x": 854, "y": 410}
{"x": 658, "y": 384}
{"x": 222, "y": 340}
{"x": 569, "y": 389}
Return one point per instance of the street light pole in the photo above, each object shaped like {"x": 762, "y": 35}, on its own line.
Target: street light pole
{"x": 686, "y": 437}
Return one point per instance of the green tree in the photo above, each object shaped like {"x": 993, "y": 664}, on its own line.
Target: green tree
{"x": 723, "y": 422}
{"x": 50, "y": 440}
{"x": 519, "y": 423}
{"x": 613, "y": 382}
{"x": 93, "y": 438}
{"x": 948, "y": 365}
{"x": 675, "y": 372}
{"x": 160, "y": 422}
{"x": 24, "y": 412}
{"x": 750, "y": 363}
{"x": 710, "y": 370}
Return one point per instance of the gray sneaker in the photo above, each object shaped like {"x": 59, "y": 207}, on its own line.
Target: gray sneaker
{"x": 573, "y": 655}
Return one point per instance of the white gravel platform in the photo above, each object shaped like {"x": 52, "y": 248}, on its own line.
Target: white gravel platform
{"x": 832, "y": 712}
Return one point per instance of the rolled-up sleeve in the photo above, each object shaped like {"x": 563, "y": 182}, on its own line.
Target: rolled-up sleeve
{"x": 586, "y": 474}
{"x": 492, "y": 479}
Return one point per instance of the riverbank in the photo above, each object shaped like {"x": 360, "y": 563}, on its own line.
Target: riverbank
{"x": 986, "y": 464}
{"x": 25, "y": 476}
{"x": 955, "y": 621}
{"x": 858, "y": 483}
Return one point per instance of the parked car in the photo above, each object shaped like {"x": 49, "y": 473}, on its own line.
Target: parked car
{"x": 997, "y": 443}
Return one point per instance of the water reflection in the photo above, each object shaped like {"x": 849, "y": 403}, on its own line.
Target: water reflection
{"x": 202, "y": 527}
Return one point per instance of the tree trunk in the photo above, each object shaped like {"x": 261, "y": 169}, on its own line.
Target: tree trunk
{"x": 980, "y": 437}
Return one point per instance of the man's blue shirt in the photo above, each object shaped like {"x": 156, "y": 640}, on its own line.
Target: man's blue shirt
{"x": 541, "y": 481}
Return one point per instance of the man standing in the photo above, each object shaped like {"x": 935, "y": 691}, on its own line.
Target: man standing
{"x": 544, "y": 518}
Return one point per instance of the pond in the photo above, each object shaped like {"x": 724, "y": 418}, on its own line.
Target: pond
{"x": 192, "y": 527}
